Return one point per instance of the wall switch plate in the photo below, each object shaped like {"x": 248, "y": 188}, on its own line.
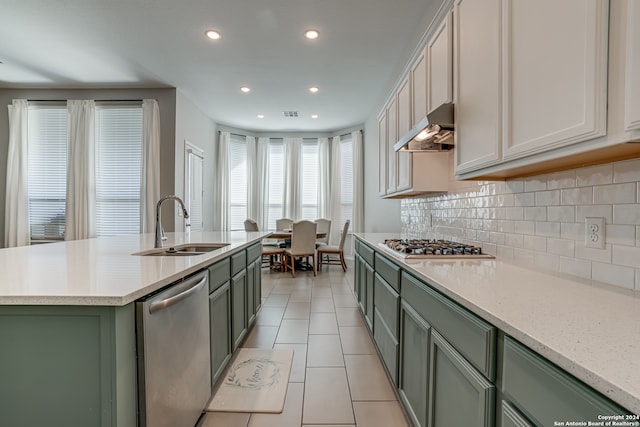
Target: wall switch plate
{"x": 594, "y": 233}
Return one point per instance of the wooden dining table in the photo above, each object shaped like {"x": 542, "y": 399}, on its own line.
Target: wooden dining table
{"x": 286, "y": 234}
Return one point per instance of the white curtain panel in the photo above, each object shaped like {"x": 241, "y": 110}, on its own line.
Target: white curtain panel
{"x": 292, "y": 188}
{"x": 81, "y": 180}
{"x": 223, "y": 180}
{"x": 357, "y": 223}
{"x": 336, "y": 191}
{"x": 254, "y": 195}
{"x": 324, "y": 181}
{"x": 16, "y": 216}
{"x": 262, "y": 172}
{"x": 150, "y": 180}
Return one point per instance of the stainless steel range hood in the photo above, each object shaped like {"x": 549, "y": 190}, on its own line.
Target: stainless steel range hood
{"x": 432, "y": 133}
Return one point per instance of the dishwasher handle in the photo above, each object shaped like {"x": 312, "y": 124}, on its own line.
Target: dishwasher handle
{"x": 168, "y": 302}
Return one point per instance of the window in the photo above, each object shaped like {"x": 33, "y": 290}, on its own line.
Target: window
{"x": 346, "y": 173}
{"x": 118, "y": 170}
{"x": 310, "y": 176}
{"x": 237, "y": 182}
{"x": 276, "y": 183}
{"x": 47, "y": 172}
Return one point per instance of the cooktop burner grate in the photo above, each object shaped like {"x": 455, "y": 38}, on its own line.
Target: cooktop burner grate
{"x": 427, "y": 248}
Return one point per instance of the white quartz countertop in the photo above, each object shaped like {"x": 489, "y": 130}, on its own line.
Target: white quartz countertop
{"x": 103, "y": 271}
{"x": 588, "y": 329}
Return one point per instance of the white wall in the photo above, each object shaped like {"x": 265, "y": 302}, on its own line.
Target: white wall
{"x": 194, "y": 126}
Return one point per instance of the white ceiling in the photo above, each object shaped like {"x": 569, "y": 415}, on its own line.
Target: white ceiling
{"x": 363, "y": 44}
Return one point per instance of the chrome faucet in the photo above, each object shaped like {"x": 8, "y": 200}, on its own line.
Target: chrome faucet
{"x": 159, "y": 222}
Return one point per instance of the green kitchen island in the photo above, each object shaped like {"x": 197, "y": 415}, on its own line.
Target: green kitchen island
{"x": 68, "y": 327}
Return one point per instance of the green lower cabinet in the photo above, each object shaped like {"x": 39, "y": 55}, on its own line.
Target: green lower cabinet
{"x": 368, "y": 281}
{"x": 257, "y": 289}
{"x": 67, "y": 366}
{"x": 413, "y": 378}
{"x": 387, "y": 345}
{"x": 510, "y": 417}
{"x": 220, "y": 330}
{"x": 238, "y": 307}
{"x": 545, "y": 393}
{"x": 458, "y": 394}
{"x": 251, "y": 293}
{"x": 357, "y": 264}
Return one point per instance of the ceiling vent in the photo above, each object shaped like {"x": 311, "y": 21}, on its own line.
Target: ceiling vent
{"x": 290, "y": 113}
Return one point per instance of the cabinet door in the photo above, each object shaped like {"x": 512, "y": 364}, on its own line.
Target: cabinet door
{"x": 392, "y": 138}
{"x": 458, "y": 394}
{"x": 419, "y": 89}
{"x": 357, "y": 264}
{"x": 555, "y": 74}
{"x": 382, "y": 154}
{"x": 257, "y": 299}
{"x": 220, "y": 329}
{"x": 368, "y": 285}
{"x": 632, "y": 73}
{"x": 510, "y": 417}
{"x": 413, "y": 380}
{"x": 404, "y": 126}
{"x": 251, "y": 292}
{"x": 439, "y": 53}
{"x": 477, "y": 78}
{"x": 238, "y": 307}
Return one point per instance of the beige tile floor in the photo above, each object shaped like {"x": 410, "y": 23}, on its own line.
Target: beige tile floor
{"x": 337, "y": 378}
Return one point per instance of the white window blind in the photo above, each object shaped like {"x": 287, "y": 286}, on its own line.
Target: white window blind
{"x": 118, "y": 170}
{"x": 276, "y": 183}
{"x": 346, "y": 173}
{"x": 47, "y": 171}
{"x": 310, "y": 177}
{"x": 237, "y": 182}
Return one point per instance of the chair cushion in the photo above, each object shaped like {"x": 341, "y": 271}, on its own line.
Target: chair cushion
{"x": 327, "y": 248}
{"x": 271, "y": 250}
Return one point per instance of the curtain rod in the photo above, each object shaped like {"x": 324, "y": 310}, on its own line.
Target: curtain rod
{"x": 307, "y": 137}
{"x": 96, "y": 100}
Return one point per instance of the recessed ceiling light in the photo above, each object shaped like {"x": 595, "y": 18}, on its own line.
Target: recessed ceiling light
{"x": 314, "y": 116}
{"x": 261, "y": 116}
{"x": 313, "y": 89}
{"x": 311, "y": 34}
{"x": 213, "y": 34}
{"x": 245, "y": 89}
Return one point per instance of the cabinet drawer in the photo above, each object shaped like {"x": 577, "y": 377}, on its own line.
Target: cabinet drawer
{"x": 254, "y": 252}
{"x": 366, "y": 253}
{"x": 510, "y": 417}
{"x": 470, "y": 335}
{"x": 387, "y": 302}
{"x": 388, "y": 270}
{"x": 545, "y": 393}
{"x": 238, "y": 262}
{"x": 387, "y": 344}
{"x": 219, "y": 274}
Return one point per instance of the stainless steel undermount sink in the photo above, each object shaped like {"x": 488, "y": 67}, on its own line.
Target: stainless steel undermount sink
{"x": 186, "y": 249}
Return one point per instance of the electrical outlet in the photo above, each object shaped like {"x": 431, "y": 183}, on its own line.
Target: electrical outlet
{"x": 594, "y": 233}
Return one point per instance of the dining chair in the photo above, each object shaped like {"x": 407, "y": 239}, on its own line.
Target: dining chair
{"x": 303, "y": 244}
{"x": 324, "y": 226}
{"x": 327, "y": 251}
{"x": 250, "y": 225}
{"x": 283, "y": 224}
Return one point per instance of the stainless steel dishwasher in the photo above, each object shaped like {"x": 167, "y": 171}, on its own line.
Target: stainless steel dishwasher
{"x": 174, "y": 367}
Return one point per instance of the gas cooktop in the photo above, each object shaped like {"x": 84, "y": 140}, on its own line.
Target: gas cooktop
{"x": 427, "y": 248}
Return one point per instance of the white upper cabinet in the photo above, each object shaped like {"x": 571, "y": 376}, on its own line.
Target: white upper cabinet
{"x": 477, "y": 80}
{"x": 555, "y": 74}
{"x": 632, "y": 71}
{"x": 404, "y": 125}
{"x": 419, "y": 89}
{"x": 439, "y": 54}
{"x": 392, "y": 137}
{"x": 382, "y": 154}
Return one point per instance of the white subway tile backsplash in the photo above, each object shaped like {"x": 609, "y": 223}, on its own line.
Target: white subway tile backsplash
{"x": 539, "y": 221}
{"x": 565, "y": 179}
{"x": 575, "y": 267}
{"x": 615, "y": 193}
{"x": 628, "y": 171}
{"x": 626, "y": 255}
{"x": 626, "y": 214}
{"x": 613, "y": 274}
{"x": 594, "y": 211}
{"x": 561, "y": 213}
{"x": 620, "y": 234}
{"x": 594, "y": 175}
{"x": 576, "y": 196}
{"x": 548, "y": 198}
